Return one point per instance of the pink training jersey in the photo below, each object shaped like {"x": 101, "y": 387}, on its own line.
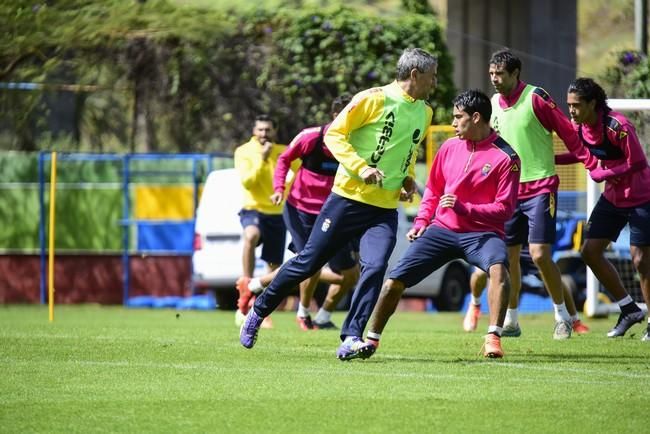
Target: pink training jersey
{"x": 483, "y": 175}
{"x": 309, "y": 189}
{"x": 628, "y": 176}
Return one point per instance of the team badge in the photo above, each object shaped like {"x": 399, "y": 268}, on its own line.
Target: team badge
{"x": 326, "y": 225}
{"x": 486, "y": 169}
{"x": 514, "y": 168}
{"x": 551, "y": 205}
{"x": 622, "y": 135}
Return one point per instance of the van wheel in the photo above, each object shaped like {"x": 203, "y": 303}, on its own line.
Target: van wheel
{"x": 226, "y": 299}
{"x": 455, "y": 286}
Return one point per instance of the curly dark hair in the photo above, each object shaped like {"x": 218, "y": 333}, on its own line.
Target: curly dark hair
{"x": 588, "y": 90}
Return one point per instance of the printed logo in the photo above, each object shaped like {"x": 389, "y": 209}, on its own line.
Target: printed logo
{"x": 486, "y": 169}
{"x": 326, "y": 225}
{"x": 416, "y": 136}
{"x": 514, "y": 168}
{"x": 622, "y": 135}
{"x": 386, "y": 134}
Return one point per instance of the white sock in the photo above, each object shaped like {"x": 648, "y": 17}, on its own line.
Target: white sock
{"x": 373, "y": 336}
{"x": 323, "y": 316}
{"x": 476, "y": 300}
{"x": 561, "y": 314}
{"x": 574, "y": 318}
{"x": 255, "y": 285}
{"x": 512, "y": 317}
{"x": 303, "y": 311}
{"x": 625, "y": 301}
{"x": 495, "y": 329}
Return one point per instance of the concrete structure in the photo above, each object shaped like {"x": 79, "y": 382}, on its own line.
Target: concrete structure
{"x": 543, "y": 33}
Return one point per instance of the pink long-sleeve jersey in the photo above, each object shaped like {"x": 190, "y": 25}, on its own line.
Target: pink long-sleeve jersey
{"x": 483, "y": 175}
{"x": 309, "y": 189}
{"x": 623, "y": 164}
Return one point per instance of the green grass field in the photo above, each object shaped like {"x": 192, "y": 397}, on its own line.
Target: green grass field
{"x": 109, "y": 369}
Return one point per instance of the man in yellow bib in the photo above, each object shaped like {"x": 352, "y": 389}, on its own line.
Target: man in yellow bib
{"x": 375, "y": 140}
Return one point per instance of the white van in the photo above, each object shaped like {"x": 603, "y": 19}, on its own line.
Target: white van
{"x": 216, "y": 262}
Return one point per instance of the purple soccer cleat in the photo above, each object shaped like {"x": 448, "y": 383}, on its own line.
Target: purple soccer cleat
{"x": 249, "y": 329}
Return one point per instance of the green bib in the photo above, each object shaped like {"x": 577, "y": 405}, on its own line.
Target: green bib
{"x": 390, "y": 144}
{"x": 519, "y": 126}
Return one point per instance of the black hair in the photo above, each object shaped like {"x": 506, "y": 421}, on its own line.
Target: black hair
{"x": 506, "y": 58}
{"x": 588, "y": 90}
{"x": 265, "y": 118}
{"x": 472, "y": 101}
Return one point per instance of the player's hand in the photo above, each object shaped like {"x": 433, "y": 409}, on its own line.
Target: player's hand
{"x": 415, "y": 233}
{"x": 408, "y": 190}
{"x": 267, "y": 147}
{"x": 372, "y": 175}
{"x": 276, "y": 198}
{"x": 448, "y": 200}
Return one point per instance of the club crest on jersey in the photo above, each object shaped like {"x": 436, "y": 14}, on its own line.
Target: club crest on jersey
{"x": 486, "y": 169}
{"x": 326, "y": 225}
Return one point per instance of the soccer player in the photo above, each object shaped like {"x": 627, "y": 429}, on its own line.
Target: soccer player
{"x": 623, "y": 167}
{"x": 525, "y": 116}
{"x": 261, "y": 219}
{"x": 375, "y": 140}
{"x": 311, "y": 186}
{"x": 470, "y": 194}
{"x": 477, "y": 282}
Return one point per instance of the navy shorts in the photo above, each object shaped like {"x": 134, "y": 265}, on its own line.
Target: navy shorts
{"x": 273, "y": 233}
{"x": 533, "y": 221}
{"x": 607, "y": 221}
{"x": 300, "y": 224}
{"x": 437, "y": 246}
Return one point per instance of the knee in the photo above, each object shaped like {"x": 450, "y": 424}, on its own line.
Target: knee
{"x": 351, "y": 275}
{"x": 251, "y": 237}
{"x": 540, "y": 255}
{"x": 393, "y": 287}
{"x": 499, "y": 277}
{"x": 588, "y": 254}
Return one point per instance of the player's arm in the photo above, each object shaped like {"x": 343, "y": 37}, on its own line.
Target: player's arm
{"x": 364, "y": 108}
{"x": 635, "y": 159}
{"x": 298, "y": 147}
{"x": 432, "y": 192}
{"x": 249, "y": 166}
{"x": 552, "y": 118}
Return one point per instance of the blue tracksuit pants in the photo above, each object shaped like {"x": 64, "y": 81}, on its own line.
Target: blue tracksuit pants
{"x": 340, "y": 221}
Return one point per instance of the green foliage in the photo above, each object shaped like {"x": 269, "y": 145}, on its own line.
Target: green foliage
{"x": 325, "y": 53}
{"x": 164, "y": 77}
{"x": 629, "y": 77}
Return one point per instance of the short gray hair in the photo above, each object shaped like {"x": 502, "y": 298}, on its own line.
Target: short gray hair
{"x": 414, "y": 58}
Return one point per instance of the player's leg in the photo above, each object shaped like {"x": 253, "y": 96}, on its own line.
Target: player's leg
{"x": 487, "y": 251}
{"x": 335, "y": 226}
{"x": 345, "y": 266}
{"x": 641, "y": 261}
{"x": 541, "y": 211}
{"x": 511, "y": 326}
{"x": 376, "y": 245}
{"x": 605, "y": 223}
{"x": 251, "y": 237}
{"x": 432, "y": 250}
{"x": 640, "y": 252}
{"x": 516, "y": 230}
{"x": 477, "y": 282}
